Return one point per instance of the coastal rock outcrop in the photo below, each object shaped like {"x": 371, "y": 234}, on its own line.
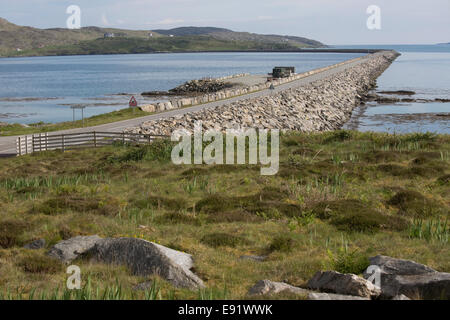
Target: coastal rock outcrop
{"x": 201, "y": 86}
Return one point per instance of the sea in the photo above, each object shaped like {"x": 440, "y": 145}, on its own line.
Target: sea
{"x": 43, "y": 89}
{"x": 423, "y": 69}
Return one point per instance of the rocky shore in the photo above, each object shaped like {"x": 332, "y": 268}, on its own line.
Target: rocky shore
{"x": 197, "y": 87}
{"x": 320, "y": 106}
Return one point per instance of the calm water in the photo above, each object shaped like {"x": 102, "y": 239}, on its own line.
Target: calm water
{"x": 43, "y": 88}
{"x": 423, "y": 69}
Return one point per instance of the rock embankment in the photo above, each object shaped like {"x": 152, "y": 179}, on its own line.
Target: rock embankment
{"x": 201, "y": 86}
{"x": 195, "y": 88}
{"x": 319, "y": 106}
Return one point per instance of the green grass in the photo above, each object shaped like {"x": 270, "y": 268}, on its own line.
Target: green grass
{"x": 339, "y": 198}
{"x": 345, "y": 261}
{"x": 123, "y": 114}
{"x": 122, "y": 45}
{"x": 434, "y": 229}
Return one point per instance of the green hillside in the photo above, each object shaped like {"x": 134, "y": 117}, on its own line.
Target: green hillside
{"x": 28, "y": 41}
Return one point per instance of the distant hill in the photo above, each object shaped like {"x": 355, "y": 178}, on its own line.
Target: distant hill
{"x": 190, "y": 31}
{"x": 229, "y": 35}
{"x": 15, "y": 39}
{"x": 28, "y": 41}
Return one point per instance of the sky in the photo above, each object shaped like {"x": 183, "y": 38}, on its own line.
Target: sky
{"x": 333, "y": 22}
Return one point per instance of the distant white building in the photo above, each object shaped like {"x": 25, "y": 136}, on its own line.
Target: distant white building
{"x": 108, "y": 35}
{"x": 150, "y": 35}
{"x": 171, "y": 35}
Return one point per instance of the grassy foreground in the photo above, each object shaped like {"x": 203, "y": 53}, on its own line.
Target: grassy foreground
{"x": 338, "y": 198}
{"x": 123, "y": 114}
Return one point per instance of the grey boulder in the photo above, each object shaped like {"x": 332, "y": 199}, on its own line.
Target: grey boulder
{"x": 346, "y": 284}
{"x": 145, "y": 258}
{"x": 332, "y": 296}
{"x": 69, "y": 250}
{"x": 35, "y": 245}
{"x": 400, "y": 297}
{"x": 390, "y": 265}
{"x": 267, "y": 287}
{"x": 409, "y": 278}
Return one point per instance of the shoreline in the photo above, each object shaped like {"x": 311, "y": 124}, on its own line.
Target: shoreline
{"x": 322, "y": 105}
{"x": 318, "y": 50}
{"x": 7, "y": 143}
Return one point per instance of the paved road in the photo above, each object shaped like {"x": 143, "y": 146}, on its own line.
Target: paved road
{"x": 8, "y": 144}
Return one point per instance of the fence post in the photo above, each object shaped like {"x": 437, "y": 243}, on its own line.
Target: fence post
{"x": 46, "y": 141}
{"x": 123, "y": 137}
{"x": 62, "y": 140}
{"x": 26, "y": 144}
{"x": 95, "y": 140}
{"x": 19, "y": 140}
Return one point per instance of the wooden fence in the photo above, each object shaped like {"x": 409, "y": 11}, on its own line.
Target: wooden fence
{"x": 44, "y": 141}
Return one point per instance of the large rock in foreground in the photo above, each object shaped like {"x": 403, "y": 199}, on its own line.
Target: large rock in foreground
{"x": 412, "y": 279}
{"x": 390, "y": 265}
{"x": 267, "y": 287}
{"x": 346, "y": 284}
{"x": 147, "y": 258}
{"x": 69, "y": 250}
{"x": 332, "y": 296}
